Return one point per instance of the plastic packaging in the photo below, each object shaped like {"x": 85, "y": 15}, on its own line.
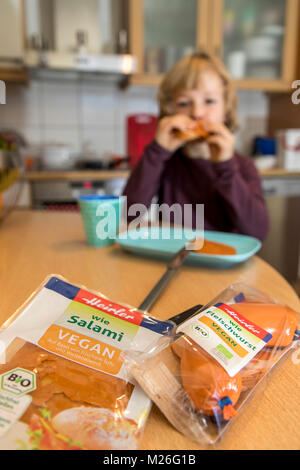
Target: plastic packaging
{"x": 63, "y": 384}
{"x": 202, "y": 376}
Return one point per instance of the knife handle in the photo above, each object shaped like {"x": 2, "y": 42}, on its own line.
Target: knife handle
{"x": 180, "y": 317}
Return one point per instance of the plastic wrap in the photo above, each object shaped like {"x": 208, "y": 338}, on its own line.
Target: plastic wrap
{"x": 63, "y": 384}
{"x": 202, "y": 376}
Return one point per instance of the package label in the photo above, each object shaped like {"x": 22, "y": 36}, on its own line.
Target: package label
{"x": 90, "y": 336}
{"x": 231, "y": 339}
{"x": 124, "y": 313}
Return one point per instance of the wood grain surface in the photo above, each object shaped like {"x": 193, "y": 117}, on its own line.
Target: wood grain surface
{"x": 34, "y": 244}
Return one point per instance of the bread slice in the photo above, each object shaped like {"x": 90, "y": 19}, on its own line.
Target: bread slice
{"x": 198, "y": 132}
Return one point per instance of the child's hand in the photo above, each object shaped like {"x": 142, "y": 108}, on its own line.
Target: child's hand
{"x": 221, "y": 142}
{"x": 165, "y": 135}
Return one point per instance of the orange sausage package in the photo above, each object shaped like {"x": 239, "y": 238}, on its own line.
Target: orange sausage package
{"x": 202, "y": 376}
{"x": 63, "y": 383}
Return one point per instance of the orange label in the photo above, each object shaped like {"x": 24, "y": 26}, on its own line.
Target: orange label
{"x": 239, "y": 350}
{"x": 82, "y": 349}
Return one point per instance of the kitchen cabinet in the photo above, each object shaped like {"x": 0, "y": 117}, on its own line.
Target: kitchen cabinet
{"x": 281, "y": 248}
{"x": 284, "y": 108}
{"x": 257, "y": 41}
{"x": 161, "y": 32}
{"x": 255, "y": 38}
{"x": 77, "y": 36}
{"x": 92, "y": 26}
{"x": 12, "y": 34}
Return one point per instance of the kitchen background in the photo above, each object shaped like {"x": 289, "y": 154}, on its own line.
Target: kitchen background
{"x": 66, "y": 62}
{"x": 91, "y": 116}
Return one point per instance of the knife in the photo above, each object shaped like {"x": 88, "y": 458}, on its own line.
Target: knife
{"x": 173, "y": 265}
{"x": 180, "y": 317}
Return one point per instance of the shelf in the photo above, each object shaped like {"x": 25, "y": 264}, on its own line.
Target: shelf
{"x": 146, "y": 79}
{"x": 17, "y": 75}
{"x": 267, "y": 85}
{"x": 76, "y": 175}
{"x": 279, "y": 173}
{"x": 79, "y": 175}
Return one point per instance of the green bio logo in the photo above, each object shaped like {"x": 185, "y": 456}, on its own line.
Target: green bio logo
{"x": 18, "y": 381}
{"x": 200, "y": 330}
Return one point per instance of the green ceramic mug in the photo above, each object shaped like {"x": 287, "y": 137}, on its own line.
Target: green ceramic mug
{"x": 101, "y": 216}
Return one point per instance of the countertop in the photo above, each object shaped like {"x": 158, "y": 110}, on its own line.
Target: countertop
{"x": 76, "y": 175}
{"x": 79, "y": 175}
{"x": 34, "y": 244}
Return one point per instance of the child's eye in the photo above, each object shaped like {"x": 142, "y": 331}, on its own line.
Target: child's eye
{"x": 210, "y": 101}
{"x": 183, "y": 104}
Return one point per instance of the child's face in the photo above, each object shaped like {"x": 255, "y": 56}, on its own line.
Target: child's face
{"x": 205, "y": 102}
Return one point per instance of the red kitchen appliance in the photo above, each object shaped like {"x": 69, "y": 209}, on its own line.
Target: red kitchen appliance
{"x": 140, "y": 132}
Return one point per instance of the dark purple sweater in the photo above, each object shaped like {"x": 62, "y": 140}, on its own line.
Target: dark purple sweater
{"x": 230, "y": 191}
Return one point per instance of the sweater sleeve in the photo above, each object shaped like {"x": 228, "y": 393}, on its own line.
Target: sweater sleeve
{"x": 241, "y": 191}
{"x": 145, "y": 179}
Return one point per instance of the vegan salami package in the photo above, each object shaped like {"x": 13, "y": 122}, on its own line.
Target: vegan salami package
{"x": 202, "y": 376}
{"x": 62, "y": 378}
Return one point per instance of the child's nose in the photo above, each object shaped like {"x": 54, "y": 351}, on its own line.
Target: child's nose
{"x": 198, "y": 111}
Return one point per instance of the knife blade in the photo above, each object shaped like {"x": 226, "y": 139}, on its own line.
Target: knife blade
{"x": 173, "y": 265}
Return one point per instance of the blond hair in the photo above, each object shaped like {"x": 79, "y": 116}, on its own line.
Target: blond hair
{"x": 184, "y": 75}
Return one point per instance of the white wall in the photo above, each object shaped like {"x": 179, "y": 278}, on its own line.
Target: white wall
{"x": 94, "y": 114}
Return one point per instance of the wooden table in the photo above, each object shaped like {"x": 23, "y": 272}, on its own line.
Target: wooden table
{"x": 35, "y": 244}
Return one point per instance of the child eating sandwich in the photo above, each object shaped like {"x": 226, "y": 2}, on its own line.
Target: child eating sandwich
{"x": 192, "y": 159}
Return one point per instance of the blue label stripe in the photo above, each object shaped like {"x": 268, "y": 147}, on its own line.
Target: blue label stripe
{"x": 267, "y": 338}
{"x": 70, "y": 291}
{"x": 161, "y": 327}
{"x": 62, "y": 287}
{"x": 239, "y": 298}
